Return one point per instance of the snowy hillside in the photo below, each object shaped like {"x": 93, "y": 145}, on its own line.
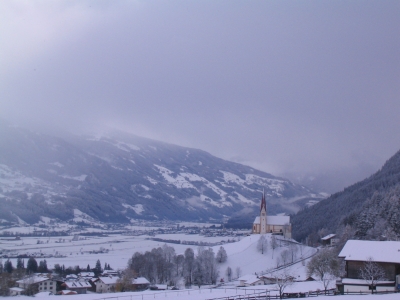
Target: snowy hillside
{"x": 117, "y": 177}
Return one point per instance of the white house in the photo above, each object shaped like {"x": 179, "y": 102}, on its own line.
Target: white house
{"x": 42, "y": 281}
{"x": 106, "y": 284}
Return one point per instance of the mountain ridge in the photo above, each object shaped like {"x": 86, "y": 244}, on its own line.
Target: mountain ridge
{"x": 117, "y": 177}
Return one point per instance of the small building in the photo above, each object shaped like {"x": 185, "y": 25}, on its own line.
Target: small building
{"x": 355, "y": 253}
{"x": 86, "y": 275}
{"x": 250, "y": 280}
{"x": 329, "y": 240}
{"x": 16, "y": 291}
{"x": 67, "y": 292}
{"x": 110, "y": 273}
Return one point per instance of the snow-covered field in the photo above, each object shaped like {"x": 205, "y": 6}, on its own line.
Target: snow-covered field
{"x": 117, "y": 249}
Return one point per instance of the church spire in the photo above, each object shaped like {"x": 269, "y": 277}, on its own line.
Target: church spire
{"x": 263, "y": 203}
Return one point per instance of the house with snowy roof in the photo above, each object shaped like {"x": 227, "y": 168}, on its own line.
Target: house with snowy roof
{"x": 271, "y": 224}
{"x": 78, "y": 286}
{"x": 37, "y": 282}
{"x": 250, "y": 280}
{"x": 140, "y": 283}
{"x": 106, "y": 284}
{"x": 356, "y": 253}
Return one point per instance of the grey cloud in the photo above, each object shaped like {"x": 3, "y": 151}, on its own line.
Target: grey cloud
{"x": 284, "y": 85}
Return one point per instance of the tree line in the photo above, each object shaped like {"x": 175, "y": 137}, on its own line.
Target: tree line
{"x": 163, "y": 266}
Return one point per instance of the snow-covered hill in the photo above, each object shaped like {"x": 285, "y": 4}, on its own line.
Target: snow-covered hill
{"x": 117, "y": 177}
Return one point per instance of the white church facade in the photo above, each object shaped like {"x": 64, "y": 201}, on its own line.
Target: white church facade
{"x": 271, "y": 224}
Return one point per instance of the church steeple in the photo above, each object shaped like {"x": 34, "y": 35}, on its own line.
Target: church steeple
{"x": 263, "y": 202}
{"x": 263, "y": 214}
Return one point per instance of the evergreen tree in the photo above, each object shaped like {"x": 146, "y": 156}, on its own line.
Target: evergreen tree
{"x": 8, "y": 267}
{"x": 31, "y": 266}
{"x": 97, "y": 268}
{"x": 88, "y": 268}
{"x": 43, "y": 266}
{"x": 20, "y": 263}
{"x": 57, "y": 269}
{"x": 1, "y": 266}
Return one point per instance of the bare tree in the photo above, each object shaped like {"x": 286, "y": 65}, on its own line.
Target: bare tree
{"x": 293, "y": 250}
{"x": 221, "y": 255}
{"x": 282, "y": 280}
{"x": 124, "y": 284}
{"x": 262, "y": 244}
{"x": 274, "y": 244}
{"x": 325, "y": 266}
{"x": 285, "y": 257}
{"x": 372, "y": 273}
{"x": 238, "y": 272}
{"x": 228, "y": 273}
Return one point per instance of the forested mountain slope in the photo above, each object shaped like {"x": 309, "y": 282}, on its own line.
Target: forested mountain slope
{"x": 117, "y": 177}
{"x": 347, "y": 206}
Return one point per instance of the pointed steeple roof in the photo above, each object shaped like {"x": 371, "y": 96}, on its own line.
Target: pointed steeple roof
{"x": 263, "y": 202}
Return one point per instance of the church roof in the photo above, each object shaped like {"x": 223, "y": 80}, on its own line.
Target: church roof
{"x": 278, "y": 220}
{"x": 274, "y": 220}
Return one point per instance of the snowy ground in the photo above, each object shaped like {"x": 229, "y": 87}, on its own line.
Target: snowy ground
{"x": 242, "y": 254}
{"x": 195, "y": 294}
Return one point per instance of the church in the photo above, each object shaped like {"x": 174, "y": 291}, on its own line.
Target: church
{"x": 271, "y": 224}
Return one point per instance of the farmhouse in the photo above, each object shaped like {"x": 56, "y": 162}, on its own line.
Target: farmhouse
{"x": 271, "y": 224}
{"x": 37, "y": 282}
{"x": 386, "y": 254}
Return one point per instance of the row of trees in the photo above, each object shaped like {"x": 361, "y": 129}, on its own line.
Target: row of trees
{"x": 162, "y": 265}
{"x": 31, "y": 267}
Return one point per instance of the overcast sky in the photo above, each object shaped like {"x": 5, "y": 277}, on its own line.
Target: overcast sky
{"x": 285, "y": 86}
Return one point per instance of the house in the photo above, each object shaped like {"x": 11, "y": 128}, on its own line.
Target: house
{"x": 78, "y": 286}
{"x": 386, "y": 254}
{"x": 140, "y": 284}
{"x": 38, "y": 282}
{"x": 271, "y": 224}
{"x": 106, "y": 284}
{"x": 250, "y": 280}
{"x": 329, "y": 240}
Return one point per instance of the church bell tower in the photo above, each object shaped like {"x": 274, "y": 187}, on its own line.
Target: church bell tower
{"x": 263, "y": 215}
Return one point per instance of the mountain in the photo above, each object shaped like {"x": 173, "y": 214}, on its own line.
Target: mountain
{"x": 353, "y": 204}
{"x": 117, "y": 177}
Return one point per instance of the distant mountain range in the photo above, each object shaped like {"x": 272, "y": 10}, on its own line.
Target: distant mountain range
{"x": 117, "y": 177}
{"x": 360, "y": 205}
